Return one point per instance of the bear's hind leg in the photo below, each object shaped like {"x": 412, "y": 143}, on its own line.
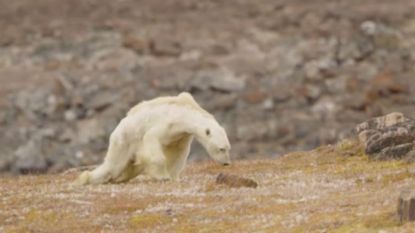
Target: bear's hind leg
{"x": 116, "y": 160}
{"x": 131, "y": 171}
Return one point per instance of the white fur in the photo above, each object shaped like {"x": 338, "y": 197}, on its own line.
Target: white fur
{"x": 155, "y": 138}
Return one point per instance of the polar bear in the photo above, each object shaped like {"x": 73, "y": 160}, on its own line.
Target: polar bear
{"x": 155, "y": 137}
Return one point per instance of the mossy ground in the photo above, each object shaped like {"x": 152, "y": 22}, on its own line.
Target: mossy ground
{"x": 330, "y": 189}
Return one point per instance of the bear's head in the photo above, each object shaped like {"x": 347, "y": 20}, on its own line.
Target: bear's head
{"x": 216, "y": 142}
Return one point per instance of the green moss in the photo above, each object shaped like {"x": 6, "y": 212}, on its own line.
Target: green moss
{"x": 148, "y": 220}
{"x": 350, "y": 147}
{"x": 382, "y": 221}
{"x": 395, "y": 177}
{"x": 370, "y": 224}
{"x": 37, "y": 216}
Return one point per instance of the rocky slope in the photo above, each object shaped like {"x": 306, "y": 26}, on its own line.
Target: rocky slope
{"x": 330, "y": 189}
{"x": 280, "y": 75}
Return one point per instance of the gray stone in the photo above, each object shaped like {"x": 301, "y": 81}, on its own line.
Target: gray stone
{"x": 219, "y": 79}
{"x": 101, "y": 100}
{"x": 70, "y": 115}
{"x": 89, "y": 130}
{"x": 406, "y": 206}
{"x": 235, "y": 181}
{"x": 388, "y": 137}
{"x": 29, "y": 158}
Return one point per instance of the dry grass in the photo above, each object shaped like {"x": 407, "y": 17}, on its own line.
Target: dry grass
{"x": 330, "y": 189}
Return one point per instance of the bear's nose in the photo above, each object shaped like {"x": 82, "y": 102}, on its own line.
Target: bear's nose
{"x": 226, "y": 164}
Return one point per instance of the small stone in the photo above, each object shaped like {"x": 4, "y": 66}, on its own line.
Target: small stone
{"x": 235, "y": 181}
{"x": 368, "y": 27}
{"x": 70, "y": 115}
{"x": 134, "y": 42}
{"x": 268, "y": 104}
{"x": 312, "y": 71}
{"x": 89, "y": 130}
{"x": 164, "y": 47}
{"x": 101, "y": 101}
{"x": 385, "y": 84}
{"x": 223, "y": 80}
{"x": 254, "y": 96}
{"x": 223, "y": 102}
{"x": 406, "y": 206}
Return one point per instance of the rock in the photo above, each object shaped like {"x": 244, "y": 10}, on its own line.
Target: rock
{"x": 388, "y": 137}
{"x": 226, "y": 81}
{"x": 101, "y": 100}
{"x": 113, "y": 59}
{"x": 312, "y": 71}
{"x": 192, "y": 55}
{"x": 268, "y": 104}
{"x": 368, "y": 27}
{"x": 385, "y": 84}
{"x": 70, "y": 115}
{"x": 316, "y": 70}
{"x": 164, "y": 47}
{"x": 223, "y": 102}
{"x": 383, "y": 36}
{"x": 223, "y": 80}
{"x": 89, "y": 130}
{"x": 310, "y": 92}
{"x": 325, "y": 108}
{"x": 6, "y": 160}
{"x": 235, "y": 181}
{"x": 136, "y": 43}
{"x": 398, "y": 135}
{"x": 29, "y": 158}
{"x": 254, "y": 96}
{"x": 255, "y": 130}
{"x": 381, "y": 122}
{"x": 406, "y": 206}
{"x": 349, "y": 52}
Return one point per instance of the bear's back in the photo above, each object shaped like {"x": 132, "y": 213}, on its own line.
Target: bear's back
{"x": 184, "y": 99}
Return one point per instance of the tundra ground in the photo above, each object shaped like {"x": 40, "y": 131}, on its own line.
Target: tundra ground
{"x": 329, "y": 189}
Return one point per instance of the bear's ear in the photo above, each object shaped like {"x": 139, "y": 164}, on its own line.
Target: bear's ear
{"x": 207, "y": 131}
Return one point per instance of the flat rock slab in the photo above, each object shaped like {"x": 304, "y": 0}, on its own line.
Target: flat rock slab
{"x": 406, "y": 206}
{"x": 235, "y": 181}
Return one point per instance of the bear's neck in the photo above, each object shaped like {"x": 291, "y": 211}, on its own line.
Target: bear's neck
{"x": 195, "y": 123}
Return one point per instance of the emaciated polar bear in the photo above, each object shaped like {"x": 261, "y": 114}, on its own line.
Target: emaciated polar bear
{"x": 155, "y": 138}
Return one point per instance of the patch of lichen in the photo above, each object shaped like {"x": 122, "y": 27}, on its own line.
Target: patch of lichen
{"x": 373, "y": 223}
{"x": 126, "y": 204}
{"x": 189, "y": 226}
{"x": 349, "y": 147}
{"x": 391, "y": 178}
{"x": 338, "y": 222}
{"x": 145, "y": 221}
{"x": 346, "y": 159}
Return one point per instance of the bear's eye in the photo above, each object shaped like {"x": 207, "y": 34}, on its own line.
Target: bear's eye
{"x": 207, "y": 132}
{"x": 223, "y": 150}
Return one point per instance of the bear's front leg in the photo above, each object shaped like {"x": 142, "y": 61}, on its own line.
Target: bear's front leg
{"x": 176, "y": 154}
{"x": 156, "y": 164}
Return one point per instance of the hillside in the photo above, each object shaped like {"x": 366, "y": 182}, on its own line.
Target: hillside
{"x": 329, "y": 189}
